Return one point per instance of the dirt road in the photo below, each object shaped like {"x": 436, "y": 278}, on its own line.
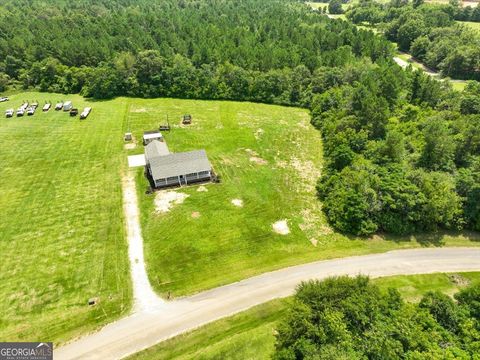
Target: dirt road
{"x": 144, "y": 329}
{"x": 144, "y": 297}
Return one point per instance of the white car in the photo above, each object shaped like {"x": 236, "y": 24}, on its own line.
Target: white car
{"x": 9, "y": 113}
{"x": 3, "y": 99}
{"x": 30, "y": 111}
{"x": 20, "y": 112}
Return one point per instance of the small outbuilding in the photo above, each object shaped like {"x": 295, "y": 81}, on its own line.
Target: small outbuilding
{"x": 149, "y": 136}
{"x": 187, "y": 119}
{"x": 128, "y": 136}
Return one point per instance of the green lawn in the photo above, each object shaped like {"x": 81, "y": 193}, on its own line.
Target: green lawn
{"x": 317, "y": 5}
{"x": 61, "y": 225}
{"x": 250, "y": 334}
{"x": 470, "y": 24}
{"x": 186, "y": 254}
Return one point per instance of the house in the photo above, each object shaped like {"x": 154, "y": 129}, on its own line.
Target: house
{"x": 187, "y": 119}
{"x": 67, "y": 106}
{"x": 176, "y": 169}
{"x": 149, "y": 136}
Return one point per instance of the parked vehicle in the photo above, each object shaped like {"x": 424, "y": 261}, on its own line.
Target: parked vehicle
{"x": 85, "y": 113}
{"x": 59, "y": 106}
{"x": 3, "y": 99}
{"x": 34, "y": 105}
{"x": 30, "y": 111}
{"x": 9, "y": 113}
{"x": 20, "y": 112}
{"x": 67, "y": 106}
{"x": 74, "y": 112}
{"x": 46, "y": 107}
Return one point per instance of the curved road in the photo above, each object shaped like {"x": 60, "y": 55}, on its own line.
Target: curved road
{"x": 144, "y": 329}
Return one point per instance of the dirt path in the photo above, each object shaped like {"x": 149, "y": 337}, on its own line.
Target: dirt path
{"x": 143, "y": 330}
{"x": 145, "y": 299}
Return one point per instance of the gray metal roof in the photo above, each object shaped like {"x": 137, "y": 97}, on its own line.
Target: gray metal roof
{"x": 156, "y": 148}
{"x": 179, "y": 164}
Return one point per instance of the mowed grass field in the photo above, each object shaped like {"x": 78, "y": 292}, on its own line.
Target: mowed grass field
{"x": 61, "y": 221}
{"x": 250, "y": 334}
{"x": 269, "y": 157}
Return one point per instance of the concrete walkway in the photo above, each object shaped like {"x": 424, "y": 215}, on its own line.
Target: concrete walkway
{"x": 145, "y": 329}
{"x": 136, "y": 160}
{"x": 145, "y": 299}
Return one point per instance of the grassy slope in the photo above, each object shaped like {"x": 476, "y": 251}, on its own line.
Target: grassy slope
{"x": 61, "y": 228}
{"x": 471, "y": 24}
{"x": 227, "y": 243}
{"x": 250, "y": 334}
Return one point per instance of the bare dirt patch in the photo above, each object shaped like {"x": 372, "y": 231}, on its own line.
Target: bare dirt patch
{"x": 164, "y": 200}
{"x": 130, "y": 146}
{"x": 258, "y": 160}
{"x": 458, "y": 279}
{"x": 258, "y": 134}
{"x": 237, "y": 202}
{"x": 202, "y": 188}
{"x": 195, "y": 214}
{"x": 281, "y": 227}
{"x": 139, "y": 110}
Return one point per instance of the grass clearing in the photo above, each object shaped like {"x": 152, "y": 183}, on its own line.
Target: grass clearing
{"x": 61, "y": 224}
{"x": 250, "y": 334}
{"x": 458, "y": 85}
{"x": 227, "y": 243}
{"x": 470, "y": 24}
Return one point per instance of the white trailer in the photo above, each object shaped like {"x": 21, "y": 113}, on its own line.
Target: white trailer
{"x": 67, "y": 106}
{"x": 85, "y": 112}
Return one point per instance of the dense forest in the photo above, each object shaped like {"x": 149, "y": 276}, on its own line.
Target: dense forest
{"x": 403, "y": 153}
{"x": 402, "y": 149}
{"x": 429, "y": 32}
{"x": 250, "y": 49}
{"x": 351, "y": 318}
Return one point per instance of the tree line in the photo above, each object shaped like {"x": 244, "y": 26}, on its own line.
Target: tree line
{"x": 351, "y": 318}
{"x": 170, "y": 48}
{"x": 428, "y": 31}
{"x": 402, "y": 152}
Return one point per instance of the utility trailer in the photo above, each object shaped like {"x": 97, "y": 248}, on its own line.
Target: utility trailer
{"x": 85, "y": 113}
